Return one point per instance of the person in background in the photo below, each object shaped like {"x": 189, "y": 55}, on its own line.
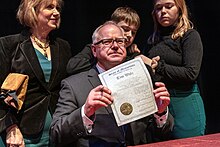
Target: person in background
{"x": 128, "y": 19}
{"x": 176, "y": 50}
{"x": 84, "y": 117}
{"x": 43, "y": 57}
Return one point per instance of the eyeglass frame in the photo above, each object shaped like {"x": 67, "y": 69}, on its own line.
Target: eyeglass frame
{"x": 112, "y": 41}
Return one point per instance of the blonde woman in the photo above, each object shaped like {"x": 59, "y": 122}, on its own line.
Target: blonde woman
{"x": 41, "y": 56}
{"x": 177, "y": 51}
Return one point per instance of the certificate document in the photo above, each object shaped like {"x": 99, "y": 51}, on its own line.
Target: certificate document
{"x": 132, "y": 91}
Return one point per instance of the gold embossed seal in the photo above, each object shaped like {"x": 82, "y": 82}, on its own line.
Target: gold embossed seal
{"x": 126, "y": 108}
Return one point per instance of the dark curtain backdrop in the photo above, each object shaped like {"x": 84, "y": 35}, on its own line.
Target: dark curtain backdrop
{"x": 80, "y": 18}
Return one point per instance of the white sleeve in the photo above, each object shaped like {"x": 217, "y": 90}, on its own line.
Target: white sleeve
{"x": 87, "y": 122}
{"x": 161, "y": 120}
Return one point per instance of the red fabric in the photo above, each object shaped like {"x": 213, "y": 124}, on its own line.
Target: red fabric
{"x": 211, "y": 140}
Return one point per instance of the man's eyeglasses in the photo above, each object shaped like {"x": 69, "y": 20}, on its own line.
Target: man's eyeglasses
{"x": 109, "y": 42}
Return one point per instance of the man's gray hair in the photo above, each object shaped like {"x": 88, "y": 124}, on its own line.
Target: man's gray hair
{"x": 96, "y": 35}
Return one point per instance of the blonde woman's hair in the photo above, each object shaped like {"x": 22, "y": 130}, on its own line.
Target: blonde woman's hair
{"x": 29, "y": 9}
{"x": 182, "y": 25}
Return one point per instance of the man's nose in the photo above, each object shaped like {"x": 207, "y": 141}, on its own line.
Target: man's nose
{"x": 115, "y": 45}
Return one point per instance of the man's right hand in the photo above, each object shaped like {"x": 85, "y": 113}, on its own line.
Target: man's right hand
{"x": 98, "y": 97}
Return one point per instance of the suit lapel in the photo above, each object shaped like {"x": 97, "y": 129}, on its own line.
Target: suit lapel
{"x": 28, "y": 51}
{"x": 93, "y": 77}
{"x": 31, "y": 57}
{"x": 54, "y": 48}
{"x": 94, "y": 80}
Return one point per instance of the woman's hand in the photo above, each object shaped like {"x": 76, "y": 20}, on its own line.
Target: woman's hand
{"x": 9, "y": 101}
{"x": 133, "y": 49}
{"x": 14, "y": 138}
{"x": 154, "y": 62}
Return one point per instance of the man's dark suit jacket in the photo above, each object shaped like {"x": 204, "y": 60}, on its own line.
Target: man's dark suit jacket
{"x": 17, "y": 54}
{"x": 67, "y": 127}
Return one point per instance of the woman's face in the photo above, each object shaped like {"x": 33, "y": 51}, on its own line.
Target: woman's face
{"x": 166, "y": 12}
{"x": 49, "y": 16}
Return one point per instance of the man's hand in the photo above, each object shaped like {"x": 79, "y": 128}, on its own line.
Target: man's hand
{"x": 162, "y": 96}
{"x": 14, "y": 137}
{"x": 98, "y": 97}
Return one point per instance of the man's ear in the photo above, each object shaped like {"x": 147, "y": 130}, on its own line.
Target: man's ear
{"x": 93, "y": 50}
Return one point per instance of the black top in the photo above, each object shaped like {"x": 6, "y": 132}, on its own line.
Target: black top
{"x": 180, "y": 59}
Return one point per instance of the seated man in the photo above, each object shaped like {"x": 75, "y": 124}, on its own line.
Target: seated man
{"x": 129, "y": 20}
{"x": 84, "y": 117}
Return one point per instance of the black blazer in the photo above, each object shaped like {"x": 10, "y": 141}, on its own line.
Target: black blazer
{"x": 67, "y": 126}
{"x": 17, "y": 55}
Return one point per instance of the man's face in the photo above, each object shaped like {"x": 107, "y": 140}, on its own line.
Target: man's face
{"x": 110, "y": 48}
{"x": 130, "y": 32}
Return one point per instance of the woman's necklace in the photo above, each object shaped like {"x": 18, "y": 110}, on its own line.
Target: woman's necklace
{"x": 43, "y": 46}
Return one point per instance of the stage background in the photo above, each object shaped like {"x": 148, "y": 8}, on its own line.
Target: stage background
{"x": 80, "y": 18}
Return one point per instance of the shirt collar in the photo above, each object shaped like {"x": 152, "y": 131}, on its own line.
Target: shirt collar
{"x": 100, "y": 70}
